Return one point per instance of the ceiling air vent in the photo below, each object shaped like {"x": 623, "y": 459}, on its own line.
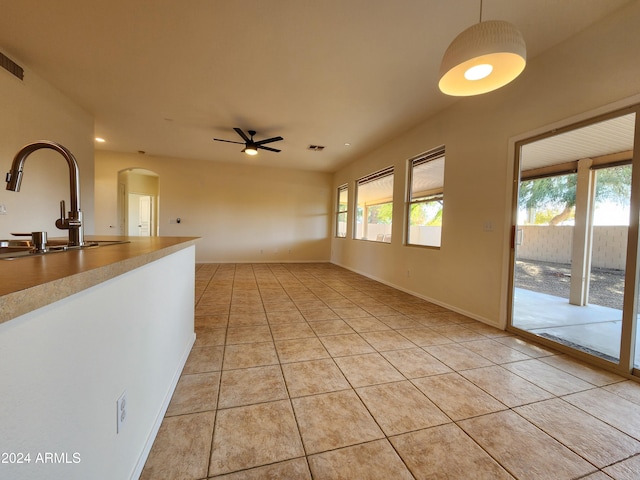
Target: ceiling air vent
{"x": 11, "y": 66}
{"x": 315, "y": 148}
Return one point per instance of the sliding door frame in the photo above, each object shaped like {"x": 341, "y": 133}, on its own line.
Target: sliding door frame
{"x": 625, "y": 367}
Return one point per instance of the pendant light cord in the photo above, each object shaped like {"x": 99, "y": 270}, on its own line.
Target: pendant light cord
{"x": 480, "y": 11}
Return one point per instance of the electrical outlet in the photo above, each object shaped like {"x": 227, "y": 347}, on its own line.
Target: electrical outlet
{"x": 121, "y": 412}
{"x": 3, "y": 209}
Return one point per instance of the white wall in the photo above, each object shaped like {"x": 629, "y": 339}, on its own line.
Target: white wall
{"x": 244, "y": 213}
{"x": 469, "y": 273}
{"x": 64, "y": 366}
{"x": 33, "y": 110}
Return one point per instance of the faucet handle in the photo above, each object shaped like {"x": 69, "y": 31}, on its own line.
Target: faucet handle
{"x": 61, "y": 223}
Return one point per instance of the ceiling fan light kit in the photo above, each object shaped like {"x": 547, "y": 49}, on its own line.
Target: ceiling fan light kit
{"x": 252, "y": 146}
{"x": 483, "y": 58}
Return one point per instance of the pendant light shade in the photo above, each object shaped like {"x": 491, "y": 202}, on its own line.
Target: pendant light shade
{"x": 483, "y": 58}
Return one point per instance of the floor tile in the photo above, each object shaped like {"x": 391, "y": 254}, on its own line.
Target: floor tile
{"x": 247, "y": 386}
{"x": 334, "y": 420}
{"x": 195, "y": 393}
{"x": 387, "y": 340}
{"x": 507, "y": 387}
{"x": 527, "y": 347}
{"x": 459, "y": 333}
{"x": 628, "y": 390}
{"x": 525, "y": 451}
{"x": 424, "y": 336}
{"x": 588, "y": 373}
{"x": 487, "y": 330}
{"x": 430, "y": 319}
{"x": 342, "y": 303}
{"x": 331, "y": 327}
{"x": 204, "y": 309}
{"x": 306, "y": 305}
{"x": 280, "y": 365}
{"x": 285, "y": 317}
{"x": 379, "y": 309}
{"x": 319, "y": 314}
{"x": 547, "y": 377}
{"x": 495, "y": 352}
{"x": 181, "y": 448}
{"x": 597, "y": 476}
{"x": 415, "y": 362}
{"x": 343, "y": 345}
{"x": 626, "y": 470}
{"x": 204, "y": 359}
{"x": 446, "y": 452}
{"x": 296, "y": 469}
{"x": 457, "y": 397}
{"x": 366, "y": 324}
{"x": 208, "y": 336}
{"x": 457, "y": 357}
{"x": 368, "y": 369}
{"x": 241, "y": 318}
{"x": 371, "y": 461}
{"x": 212, "y": 321}
{"x": 313, "y": 377}
{"x": 250, "y": 334}
{"x": 349, "y": 312}
{"x": 595, "y": 441}
{"x": 246, "y": 437}
{"x": 299, "y": 350}
{"x": 283, "y": 306}
{"x": 397, "y": 321}
{"x": 249, "y": 355}
{"x": 400, "y": 407}
{"x": 284, "y": 331}
{"x": 609, "y": 408}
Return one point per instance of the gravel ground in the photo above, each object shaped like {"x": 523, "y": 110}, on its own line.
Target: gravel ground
{"x": 606, "y": 286}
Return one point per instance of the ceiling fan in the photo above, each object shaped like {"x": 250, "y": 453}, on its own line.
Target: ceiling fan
{"x": 251, "y": 146}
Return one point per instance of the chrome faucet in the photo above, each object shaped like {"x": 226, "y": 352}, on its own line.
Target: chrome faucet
{"x": 73, "y": 222}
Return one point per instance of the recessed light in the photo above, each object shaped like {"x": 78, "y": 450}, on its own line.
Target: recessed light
{"x": 100, "y": 140}
{"x": 347, "y": 144}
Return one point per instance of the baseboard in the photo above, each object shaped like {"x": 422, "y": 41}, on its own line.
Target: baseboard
{"x": 423, "y": 297}
{"x": 163, "y": 409}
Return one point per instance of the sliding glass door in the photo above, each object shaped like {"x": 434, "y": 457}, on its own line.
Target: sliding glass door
{"x": 575, "y": 241}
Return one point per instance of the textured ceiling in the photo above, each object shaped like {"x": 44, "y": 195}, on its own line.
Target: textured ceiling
{"x": 169, "y": 75}
{"x": 607, "y": 137}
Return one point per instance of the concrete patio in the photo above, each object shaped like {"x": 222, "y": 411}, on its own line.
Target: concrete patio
{"x": 592, "y": 328}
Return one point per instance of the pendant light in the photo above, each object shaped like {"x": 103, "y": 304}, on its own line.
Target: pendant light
{"x": 483, "y": 58}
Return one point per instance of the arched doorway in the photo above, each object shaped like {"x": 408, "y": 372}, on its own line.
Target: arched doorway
{"x": 138, "y": 202}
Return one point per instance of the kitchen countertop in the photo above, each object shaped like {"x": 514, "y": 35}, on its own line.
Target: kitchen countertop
{"x": 28, "y": 283}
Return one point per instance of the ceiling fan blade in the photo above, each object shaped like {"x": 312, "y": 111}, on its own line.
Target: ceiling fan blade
{"x": 228, "y": 141}
{"x": 269, "y": 140}
{"x": 268, "y": 148}
{"x": 242, "y": 134}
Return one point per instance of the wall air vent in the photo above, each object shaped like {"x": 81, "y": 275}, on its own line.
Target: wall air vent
{"x": 315, "y": 148}
{"x": 11, "y": 66}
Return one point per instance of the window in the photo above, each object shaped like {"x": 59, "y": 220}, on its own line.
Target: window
{"x": 374, "y": 200}
{"x": 426, "y": 199}
{"x": 341, "y": 211}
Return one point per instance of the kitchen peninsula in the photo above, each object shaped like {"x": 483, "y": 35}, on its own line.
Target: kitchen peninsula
{"x": 78, "y": 331}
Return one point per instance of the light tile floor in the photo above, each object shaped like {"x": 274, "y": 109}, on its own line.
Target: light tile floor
{"x": 304, "y": 371}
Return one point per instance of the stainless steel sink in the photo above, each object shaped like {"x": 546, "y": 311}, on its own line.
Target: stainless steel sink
{"x": 14, "y": 249}
{"x": 15, "y": 246}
